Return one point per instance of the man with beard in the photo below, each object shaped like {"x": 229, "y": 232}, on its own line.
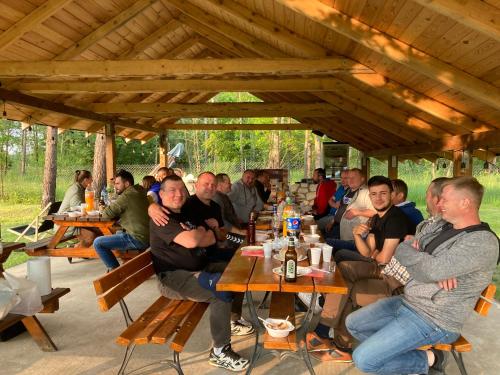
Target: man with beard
{"x": 132, "y": 209}
{"x": 376, "y": 242}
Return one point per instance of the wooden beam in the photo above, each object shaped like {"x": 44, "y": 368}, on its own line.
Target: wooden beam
{"x": 194, "y": 126}
{"x": 476, "y": 14}
{"x": 177, "y": 68}
{"x": 216, "y": 109}
{"x": 365, "y": 165}
{"x": 30, "y": 21}
{"x": 47, "y": 105}
{"x": 181, "y": 85}
{"x": 459, "y": 142}
{"x": 117, "y": 21}
{"x": 181, "y": 48}
{"x": 397, "y": 51}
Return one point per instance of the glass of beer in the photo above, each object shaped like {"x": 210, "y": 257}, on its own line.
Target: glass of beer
{"x": 89, "y": 200}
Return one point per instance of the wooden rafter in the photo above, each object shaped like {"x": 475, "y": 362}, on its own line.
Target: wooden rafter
{"x": 397, "y": 51}
{"x": 215, "y": 109}
{"x": 30, "y": 21}
{"x": 117, "y": 21}
{"x": 458, "y": 142}
{"x": 194, "y": 126}
{"x": 476, "y": 14}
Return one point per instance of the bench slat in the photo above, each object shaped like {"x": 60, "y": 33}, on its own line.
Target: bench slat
{"x": 139, "y": 324}
{"x": 482, "y": 305}
{"x": 109, "y": 299}
{"x": 145, "y": 335}
{"x": 282, "y": 305}
{"x": 113, "y": 278}
{"x": 172, "y": 322}
{"x": 188, "y": 327}
{"x": 43, "y": 243}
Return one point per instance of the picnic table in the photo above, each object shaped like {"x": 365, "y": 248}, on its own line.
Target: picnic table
{"x": 9, "y": 247}
{"x": 255, "y": 274}
{"x": 49, "y": 247}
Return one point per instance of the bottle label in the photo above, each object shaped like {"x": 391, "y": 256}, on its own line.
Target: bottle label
{"x": 290, "y": 269}
{"x": 293, "y": 223}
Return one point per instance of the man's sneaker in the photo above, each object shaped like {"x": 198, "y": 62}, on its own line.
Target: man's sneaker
{"x": 228, "y": 359}
{"x": 241, "y": 328}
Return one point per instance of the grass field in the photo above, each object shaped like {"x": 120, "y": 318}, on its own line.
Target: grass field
{"x": 21, "y": 208}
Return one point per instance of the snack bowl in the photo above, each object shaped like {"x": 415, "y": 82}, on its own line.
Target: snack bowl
{"x": 311, "y": 238}
{"x": 278, "y": 327}
{"x": 74, "y": 214}
{"x": 261, "y": 237}
{"x": 93, "y": 213}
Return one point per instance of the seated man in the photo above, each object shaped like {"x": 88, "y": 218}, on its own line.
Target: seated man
{"x": 180, "y": 261}
{"x": 231, "y": 221}
{"x": 335, "y": 201}
{"x": 409, "y": 209}
{"x": 131, "y": 208}
{"x": 324, "y": 191}
{"x": 449, "y": 269}
{"x": 376, "y": 244}
{"x": 244, "y": 196}
{"x": 263, "y": 185}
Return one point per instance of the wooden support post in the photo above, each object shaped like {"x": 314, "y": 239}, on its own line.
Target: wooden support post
{"x": 110, "y": 152}
{"x": 462, "y": 163}
{"x": 365, "y": 165}
{"x": 163, "y": 150}
{"x": 392, "y": 167}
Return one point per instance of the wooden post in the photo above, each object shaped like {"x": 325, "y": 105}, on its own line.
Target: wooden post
{"x": 365, "y": 165}
{"x": 110, "y": 152}
{"x": 462, "y": 163}
{"x": 163, "y": 149}
{"x": 392, "y": 167}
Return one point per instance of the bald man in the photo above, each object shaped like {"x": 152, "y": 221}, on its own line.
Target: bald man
{"x": 244, "y": 196}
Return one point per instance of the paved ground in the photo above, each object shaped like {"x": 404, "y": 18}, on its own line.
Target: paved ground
{"x": 85, "y": 337}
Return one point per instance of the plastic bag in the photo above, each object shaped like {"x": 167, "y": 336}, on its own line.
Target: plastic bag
{"x": 31, "y": 301}
{"x": 8, "y": 298}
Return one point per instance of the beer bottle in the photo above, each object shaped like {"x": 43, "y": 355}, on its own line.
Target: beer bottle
{"x": 290, "y": 265}
{"x": 251, "y": 229}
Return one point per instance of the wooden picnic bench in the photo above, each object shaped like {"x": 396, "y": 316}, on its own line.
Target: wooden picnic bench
{"x": 164, "y": 320}
{"x": 33, "y": 326}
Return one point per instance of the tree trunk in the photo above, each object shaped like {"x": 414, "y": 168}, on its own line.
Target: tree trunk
{"x": 317, "y": 152}
{"x": 35, "y": 142}
{"x": 23, "y": 152}
{"x": 274, "y": 150}
{"x": 99, "y": 168}
{"x": 50, "y": 169}
{"x": 242, "y": 163}
{"x": 307, "y": 153}
{"x": 433, "y": 169}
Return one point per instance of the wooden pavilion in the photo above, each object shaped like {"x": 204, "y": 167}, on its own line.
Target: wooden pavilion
{"x": 397, "y": 79}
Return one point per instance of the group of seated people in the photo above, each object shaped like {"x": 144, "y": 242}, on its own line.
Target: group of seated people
{"x": 411, "y": 282}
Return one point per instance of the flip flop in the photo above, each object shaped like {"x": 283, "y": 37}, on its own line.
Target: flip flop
{"x": 314, "y": 342}
{"x": 332, "y": 355}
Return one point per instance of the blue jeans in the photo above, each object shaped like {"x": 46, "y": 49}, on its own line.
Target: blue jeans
{"x": 390, "y": 333}
{"x": 120, "y": 241}
{"x": 341, "y": 244}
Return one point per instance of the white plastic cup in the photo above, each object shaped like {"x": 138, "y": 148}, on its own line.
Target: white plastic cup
{"x": 315, "y": 255}
{"x": 268, "y": 249}
{"x": 313, "y": 228}
{"x": 327, "y": 253}
{"x": 318, "y": 244}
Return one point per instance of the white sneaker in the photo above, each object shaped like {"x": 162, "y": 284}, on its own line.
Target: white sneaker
{"x": 241, "y": 328}
{"x": 228, "y": 359}
{"x": 306, "y": 299}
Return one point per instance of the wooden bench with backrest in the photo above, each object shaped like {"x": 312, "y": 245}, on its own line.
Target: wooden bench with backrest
{"x": 282, "y": 306}
{"x": 164, "y": 320}
{"x": 461, "y": 345}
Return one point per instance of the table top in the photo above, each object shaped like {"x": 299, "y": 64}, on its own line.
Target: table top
{"x": 11, "y": 246}
{"x": 256, "y": 274}
{"x": 66, "y": 219}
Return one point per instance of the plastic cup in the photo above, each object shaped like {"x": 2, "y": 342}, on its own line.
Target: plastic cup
{"x": 313, "y": 228}
{"x": 315, "y": 255}
{"x": 83, "y": 208}
{"x": 327, "y": 253}
{"x": 268, "y": 249}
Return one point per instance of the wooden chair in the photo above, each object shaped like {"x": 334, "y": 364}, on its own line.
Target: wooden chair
{"x": 461, "y": 345}
{"x": 32, "y": 231}
{"x": 162, "y": 320}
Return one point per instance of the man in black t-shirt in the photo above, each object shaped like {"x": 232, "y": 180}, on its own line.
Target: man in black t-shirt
{"x": 180, "y": 261}
{"x": 376, "y": 242}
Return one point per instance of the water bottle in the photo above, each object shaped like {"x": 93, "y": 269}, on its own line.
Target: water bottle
{"x": 104, "y": 196}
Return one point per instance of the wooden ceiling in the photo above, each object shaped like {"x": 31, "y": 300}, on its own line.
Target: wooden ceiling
{"x": 407, "y": 77}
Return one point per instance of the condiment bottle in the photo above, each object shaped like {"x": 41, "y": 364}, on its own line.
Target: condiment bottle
{"x": 251, "y": 229}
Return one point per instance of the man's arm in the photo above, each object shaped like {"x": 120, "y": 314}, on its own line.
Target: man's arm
{"x": 353, "y": 212}
{"x": 116, "y": 208}
{"x": 199, "y": 237}
{"x": 364, "y": 246}
{"x": 385, "y": 255}
{"x": 472, "y": 252}
{"x": 158, "y": 214}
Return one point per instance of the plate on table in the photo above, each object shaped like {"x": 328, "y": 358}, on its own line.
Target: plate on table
{"x": 74, "y": 214}
{"x": 251, "y": 248}
{"x": 281, "y": 258}
{"x": 93, "y": 213}
{"x": 301, "y": 271}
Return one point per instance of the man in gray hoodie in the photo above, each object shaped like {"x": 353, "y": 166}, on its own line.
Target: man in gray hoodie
{"x": 244, "y": 196}
{"x": 448, "y": 268}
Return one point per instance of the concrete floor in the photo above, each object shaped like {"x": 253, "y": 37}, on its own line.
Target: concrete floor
{"x": 85, "y": 337}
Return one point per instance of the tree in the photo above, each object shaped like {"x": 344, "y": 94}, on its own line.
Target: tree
{"x": 307, "y": 154}
{"x": 50, "y": 169}
{"x": 99, "y": 168}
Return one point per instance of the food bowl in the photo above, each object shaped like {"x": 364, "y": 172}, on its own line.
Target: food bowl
{"x": 74, "y": 214}
{"x": 278, "y": 327}
{"x": 261, "y": 237}
{"x": 311, "y": 238}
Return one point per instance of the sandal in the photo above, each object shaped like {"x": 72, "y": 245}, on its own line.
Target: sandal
{"x": 315, "y": 343}
{"x": 333, "y": 355}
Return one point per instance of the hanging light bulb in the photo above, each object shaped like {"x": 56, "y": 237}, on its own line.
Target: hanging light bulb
{"x": 4, "y": 114}
{"x": 486, "y": 165}
{"x": 88, "y": 142}
{"x": 437, "y": 165}
{"x": 444, "y": 164}
{"x": 133, "y": 151}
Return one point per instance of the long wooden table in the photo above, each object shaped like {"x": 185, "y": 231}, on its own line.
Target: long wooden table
{"x": 50, "y": 247}
{"x": 252, "y": 274}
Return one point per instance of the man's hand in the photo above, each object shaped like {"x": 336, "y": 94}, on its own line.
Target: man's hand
{"x": 158, "y": 214}
{"x": 351, "y": 214}
{"x": 415, "y": 245}
{"x": 212, "y": 223}
{"x": 361, "y": 230}
{"x": 409, "y": 237}
{"x": 185, "y": 227}
{"x": 448, "y": 284}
